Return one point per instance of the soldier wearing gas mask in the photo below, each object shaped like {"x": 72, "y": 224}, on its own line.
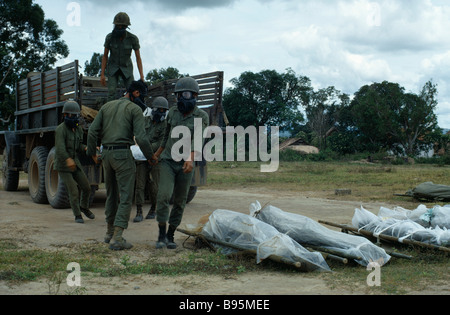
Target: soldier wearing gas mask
{"x": 175, "y": 173}
{"x": 116, "y": 62}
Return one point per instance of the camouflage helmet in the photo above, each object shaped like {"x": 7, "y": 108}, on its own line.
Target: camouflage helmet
{"x": 160, "y": 102}
{"x": 187, "y": 84}
{"x": 122, "y": 18}
{"x": 71, "y": 107}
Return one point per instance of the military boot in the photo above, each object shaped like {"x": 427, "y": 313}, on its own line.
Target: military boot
{"x": 88, "y": 213}
{"x": 162, "y": 237}
{"x": 109, "y": 233}
{"x": 170, "y": 237}
{"x": 139, "y": 216}
{"x": 79, "y": 219}
{"x": 119, "y": 243}
{"x": 151, "y": 213}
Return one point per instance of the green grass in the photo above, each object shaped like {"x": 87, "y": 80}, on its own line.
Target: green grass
{"x": 368, "y": 182}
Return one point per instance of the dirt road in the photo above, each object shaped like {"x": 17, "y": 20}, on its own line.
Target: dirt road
{"x": 40, "y": 226}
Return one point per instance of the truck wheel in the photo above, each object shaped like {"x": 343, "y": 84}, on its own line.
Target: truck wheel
{"x": 36, "y": 175}
{"x": 55, "y": 189}
{"x": 10, "y": 178}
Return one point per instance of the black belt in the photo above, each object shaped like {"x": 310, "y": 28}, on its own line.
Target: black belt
{"x": 119, "y": 147}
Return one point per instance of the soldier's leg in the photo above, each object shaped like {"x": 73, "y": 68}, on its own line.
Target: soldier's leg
{"x": 125, "y": 170}
{"x": 113, "y": 82}
{"x": 141, "y": 180}
{"x": 72, "y": 190}
{"x": 112, "y": 193}
{"x": 154, "y": 176}
{"x": 165, "y": 189}
{"x": 85, "y": 192}
{"x": 180, "y": 192}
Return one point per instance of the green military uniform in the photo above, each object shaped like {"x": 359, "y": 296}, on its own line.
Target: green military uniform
{"x": 119, "y": 61}
{"x": 172, "y": 178}
{"x": 116, "y": 124}
{"x": 68, "y": 144}
{"x": 155, "y": 134}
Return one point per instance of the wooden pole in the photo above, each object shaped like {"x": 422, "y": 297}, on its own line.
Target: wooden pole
{"x": 387, "y": 237}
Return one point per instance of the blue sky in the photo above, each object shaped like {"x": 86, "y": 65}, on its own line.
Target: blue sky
{"x": 347, "y": 43}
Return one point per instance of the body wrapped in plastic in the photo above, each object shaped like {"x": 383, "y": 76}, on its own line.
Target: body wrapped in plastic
{"x": 250, "y": 233}
{"x": 310, "y": 233}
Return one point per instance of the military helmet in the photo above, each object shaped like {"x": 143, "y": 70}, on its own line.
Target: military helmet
{"x": 160, "y": 102}
{"x": 187, "y": 84}
{"x": 71, "y": 107}
{"x": 122, "y": 18}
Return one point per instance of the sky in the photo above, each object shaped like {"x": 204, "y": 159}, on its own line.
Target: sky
{"x": 342, "y": 43}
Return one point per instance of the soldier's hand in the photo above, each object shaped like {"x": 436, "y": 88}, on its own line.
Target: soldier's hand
{"x": 71, "y": 164}
{"x": 95, "y": 159}
{"x": 103, "y": 80}
{"x": 188, "y": 167}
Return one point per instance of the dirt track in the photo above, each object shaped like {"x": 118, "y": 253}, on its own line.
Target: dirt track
{"x": 40, "y": 226}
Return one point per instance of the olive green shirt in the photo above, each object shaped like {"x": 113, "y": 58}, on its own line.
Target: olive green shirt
{"x": 116, "y": 123}
{"x": 68, "y": 144}
{"x": 155, "y": 132}
{"x": 176, "y": 118}
{"x": 120, "y": 54}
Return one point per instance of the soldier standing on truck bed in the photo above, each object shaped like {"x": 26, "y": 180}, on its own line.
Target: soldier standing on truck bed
{"x": 117, "y": 56}
{"x": 176, "y": 177}
{"x": 68, "y": 144}
{"x": 115, "y": 125}
{"x": 155, "y": 127}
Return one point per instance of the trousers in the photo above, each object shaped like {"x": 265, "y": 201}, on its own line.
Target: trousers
{"x": 174, "y": 182}
{"x": 73, "y": 180}
{"x": 119, "y": 170}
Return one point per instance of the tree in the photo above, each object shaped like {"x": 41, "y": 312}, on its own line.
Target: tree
{"x": 156, "y": 76}
{"x": 28, "y": 42}
{"x": 387, "y": 117}
{"x": 322, "y": 113}
{"x": 267, "y": 98}
{"x": 93, "y": 68}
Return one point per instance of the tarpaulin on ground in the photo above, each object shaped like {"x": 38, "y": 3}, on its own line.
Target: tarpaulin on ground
{"x": 430, "y": 191}
{"x": 403, "y": 228}
{"x": 253, "y": 234}
{"x": 308, "y": 232}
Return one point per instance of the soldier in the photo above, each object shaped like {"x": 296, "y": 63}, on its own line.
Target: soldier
{"x": 176, "y": 177}
{"x": 117, "y": 56}
{"x": 155, "y": 127}
{"x": 68, "y": 144}
{"x": 116, "y": 124}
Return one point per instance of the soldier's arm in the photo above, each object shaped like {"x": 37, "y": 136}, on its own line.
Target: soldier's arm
{"x": 60, "y": 145}
{"x": 104, "y": 63}
{"x": 93, "y": 133}
{"x": 139, "y": 63}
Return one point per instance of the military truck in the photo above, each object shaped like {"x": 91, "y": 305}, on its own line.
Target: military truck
{"x": 39, "y": 102}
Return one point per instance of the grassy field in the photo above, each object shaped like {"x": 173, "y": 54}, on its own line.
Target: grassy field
{"x": 368, "y": 182}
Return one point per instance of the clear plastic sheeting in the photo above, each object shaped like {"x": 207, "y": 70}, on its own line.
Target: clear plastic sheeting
{"x": 308, "y": 232}
{"x": 400, "y": 227}
{"x": 250, "y": 233}
{"x": 437, "y": 216}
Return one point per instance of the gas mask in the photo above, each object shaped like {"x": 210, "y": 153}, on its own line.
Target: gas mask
{"x": 71, "y": 121}
{"x": 186, "y": 102}
{"x": 118, "y": 32}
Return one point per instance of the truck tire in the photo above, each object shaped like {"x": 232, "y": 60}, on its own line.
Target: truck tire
{"x": 55, "y": 189}
{"x": 36, "y": 175}
{"x": 10, "y": 178}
